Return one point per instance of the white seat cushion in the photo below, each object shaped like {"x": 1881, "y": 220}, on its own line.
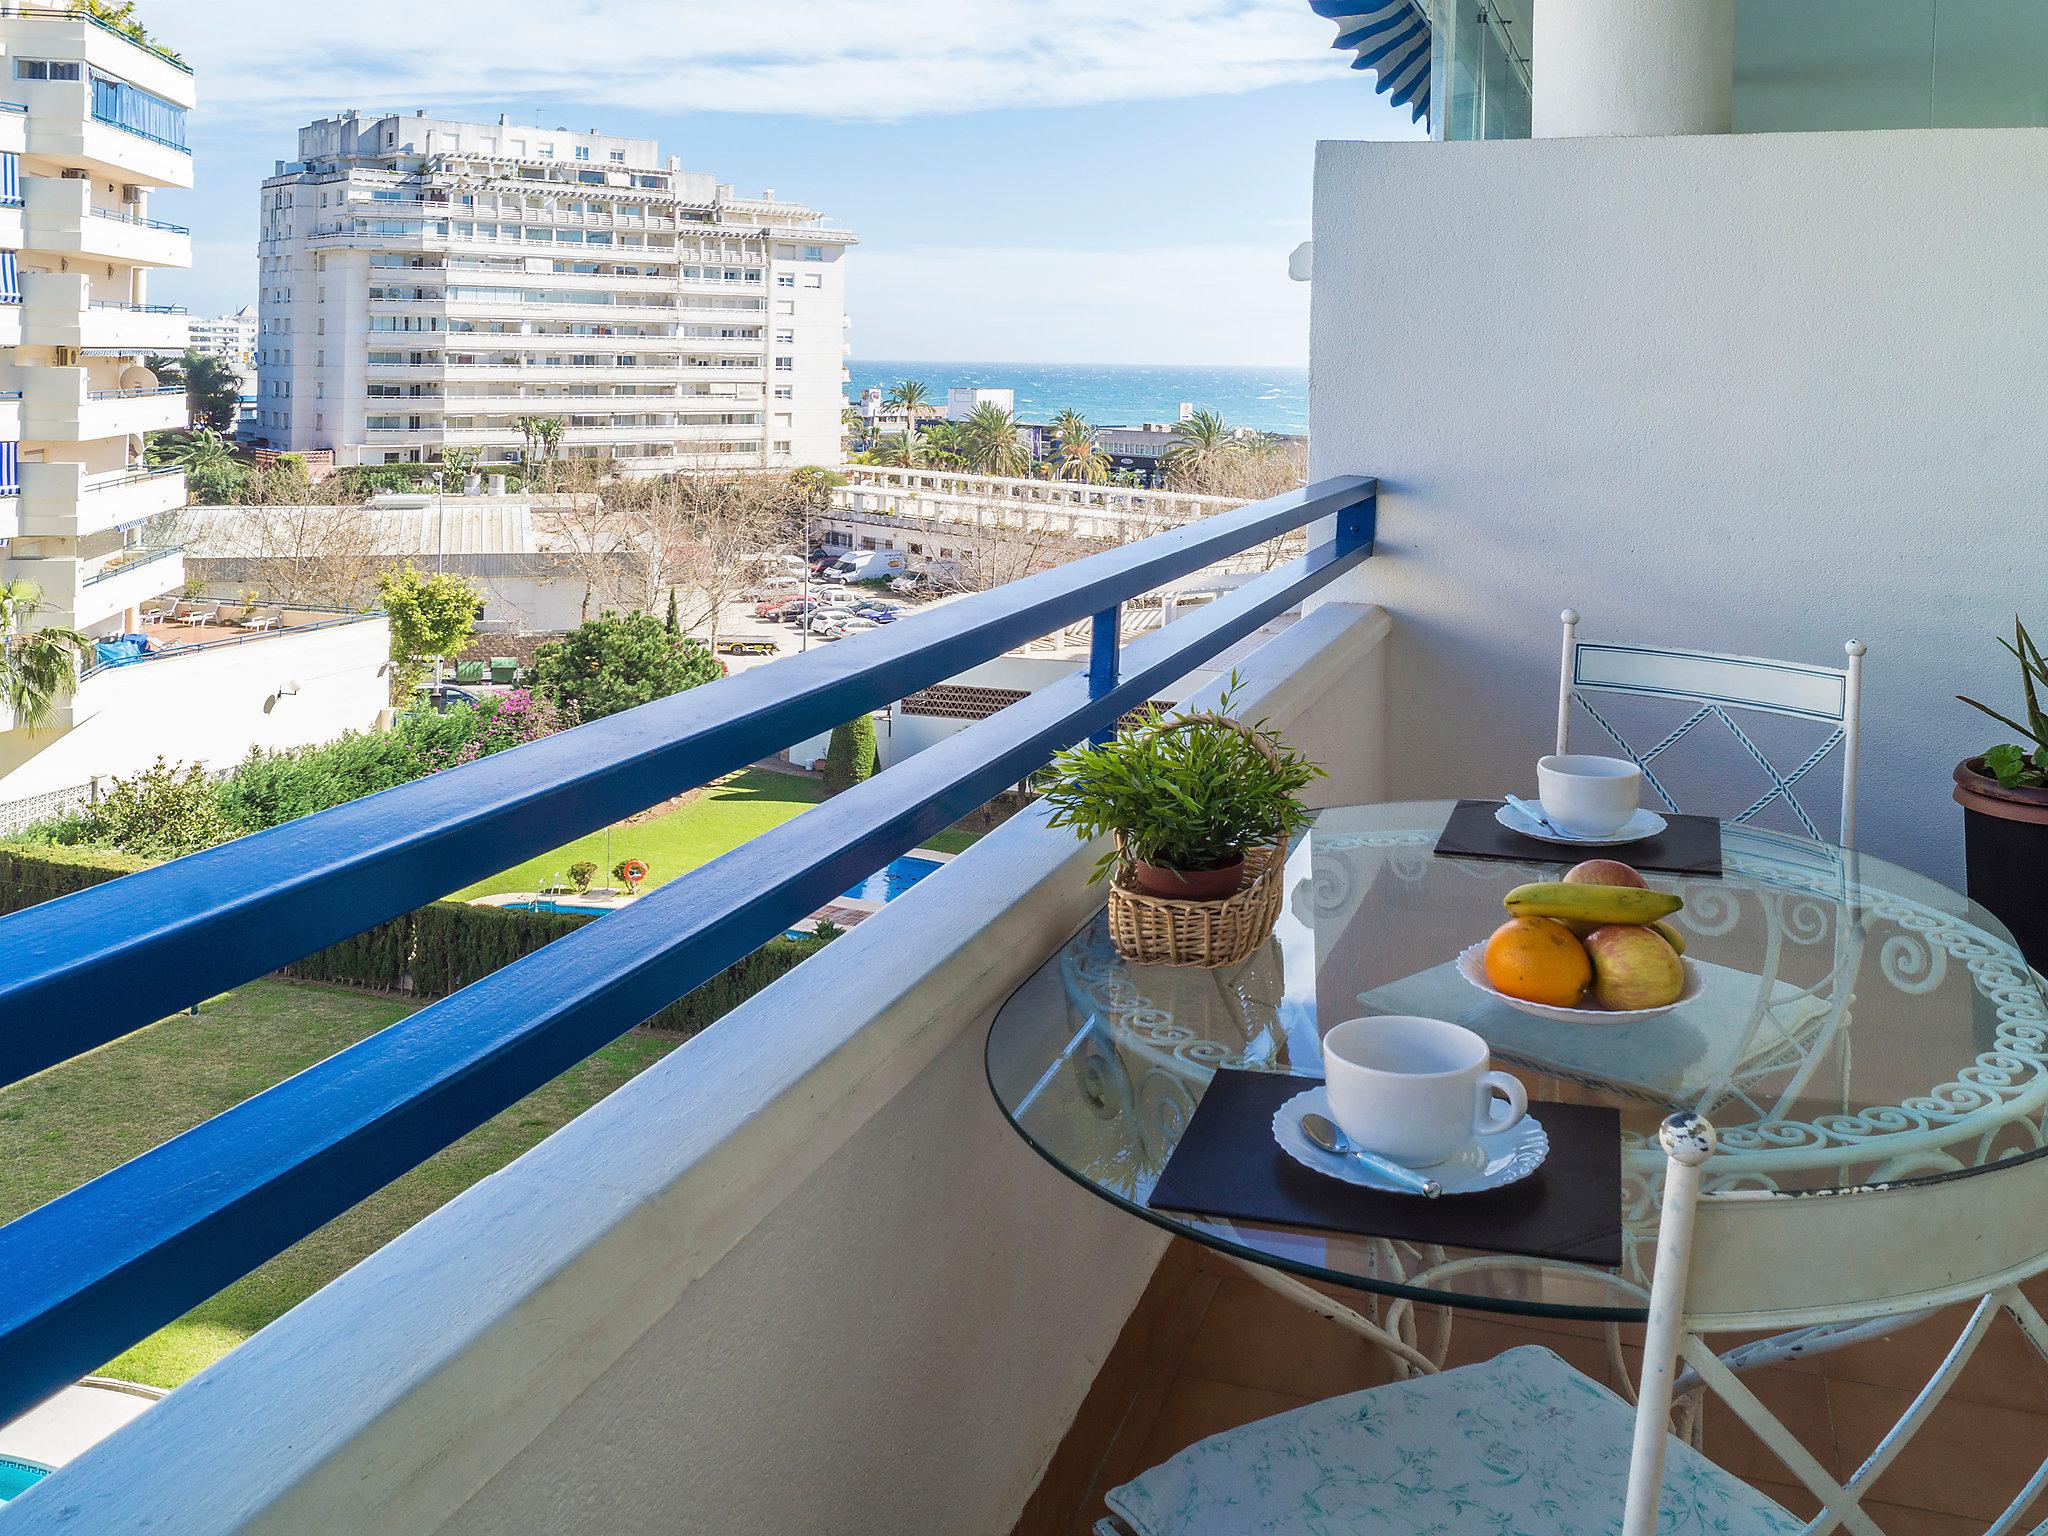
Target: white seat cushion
{"x": 1522, "y": 1445}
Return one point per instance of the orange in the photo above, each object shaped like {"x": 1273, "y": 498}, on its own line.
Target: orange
{"x": 1539, "y": 960}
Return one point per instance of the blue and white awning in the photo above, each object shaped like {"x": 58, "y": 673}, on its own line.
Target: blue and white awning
{"x": 1391, "y": 38}
{"x": 10, "y": 277}
{"x": 10, "y": 179}
{"x": 10, "y": 469}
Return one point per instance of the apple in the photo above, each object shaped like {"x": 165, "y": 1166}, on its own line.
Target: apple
{"x": 1633, "y": 968}
{"x": 1604, "y": 872}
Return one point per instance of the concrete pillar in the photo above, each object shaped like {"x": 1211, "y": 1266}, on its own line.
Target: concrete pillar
{"x": 1641, "y": 68}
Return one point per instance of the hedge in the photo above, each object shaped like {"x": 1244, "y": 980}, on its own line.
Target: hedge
{"x": 431, "y": 952}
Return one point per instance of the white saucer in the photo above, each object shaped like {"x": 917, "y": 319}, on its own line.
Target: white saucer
{"x": 1472, "y": 966}
{"x": 1645, "y": 823}
{"x": 1487, "y": 1162}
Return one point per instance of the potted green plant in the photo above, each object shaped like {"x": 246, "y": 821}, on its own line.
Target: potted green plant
{"x": 1185, "y": 798}
{"x": 2004, "y": 796}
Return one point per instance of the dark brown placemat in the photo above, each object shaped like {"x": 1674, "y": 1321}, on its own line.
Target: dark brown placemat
{"x": 1688, "y": 845}
{"x": 1227, "y": 1164}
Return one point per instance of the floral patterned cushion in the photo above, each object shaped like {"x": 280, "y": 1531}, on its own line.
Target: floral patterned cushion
{"x": 1522, "y": 1445}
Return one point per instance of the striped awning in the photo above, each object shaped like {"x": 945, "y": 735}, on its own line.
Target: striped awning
{"x": 1391, "y": 38}
{"x": 10, "y": 277}
{"x": 10, "y": 469}
{"x": 10, "y": 179}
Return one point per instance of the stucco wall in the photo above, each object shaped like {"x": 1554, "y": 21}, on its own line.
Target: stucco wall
{"x": 1754, "y": 394}
{"x": 208, "y": 707}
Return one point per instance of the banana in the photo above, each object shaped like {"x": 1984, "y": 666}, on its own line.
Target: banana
{"x": 1670, "y": 934}
{"x": 1599, "y": 904}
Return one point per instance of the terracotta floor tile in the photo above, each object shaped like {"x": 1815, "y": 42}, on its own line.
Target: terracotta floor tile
{"x": 1195, "y": 1409}
{"x": 1252, "y": 1337}
{"x": 1801, "y": 1403}
{"x": 1477, "y": 1336}
{"x": 1901, "y": 1520}
{"x": 2004, "y": 1372}
{"x": 1969, "y": 1459}
{"x": 1794, "y": 1498}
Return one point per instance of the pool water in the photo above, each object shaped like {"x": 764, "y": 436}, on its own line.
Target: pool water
{"x": 884, "y": 885}
{"x": 18, "y": 1477}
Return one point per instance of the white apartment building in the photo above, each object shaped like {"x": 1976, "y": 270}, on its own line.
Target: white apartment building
{"x": 427, "y": 284}
{"x": 232, "y": 338}
{"x": 91, "y": 123}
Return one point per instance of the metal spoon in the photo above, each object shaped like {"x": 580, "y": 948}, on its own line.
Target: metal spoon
{"x": 1324, "y": 1133}
{"x": 1535, "y": 814}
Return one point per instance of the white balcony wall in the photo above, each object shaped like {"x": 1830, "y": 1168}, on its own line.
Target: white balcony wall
{"x": 85, "y": 593}
{"x": 13, "y": 131}
{"x": 65, "y": 405}
{"x": 66, "y": 500}
{"x": 57, "y": 311}
{"x": 206, "y": 706}
{"x": 798, "y": 1277}
{"x": 60, "y": 221}
{"x": 1753, "y": 393}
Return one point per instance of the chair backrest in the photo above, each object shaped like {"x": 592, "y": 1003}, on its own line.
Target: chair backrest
{"x": 1714, "y": 684}
{"x": 1836, "y": 1267}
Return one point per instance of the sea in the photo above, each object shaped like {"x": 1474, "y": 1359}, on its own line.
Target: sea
{"x": 1112, "y": 394}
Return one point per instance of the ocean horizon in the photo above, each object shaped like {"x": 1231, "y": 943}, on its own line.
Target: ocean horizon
{"x": 1270, "y": 399}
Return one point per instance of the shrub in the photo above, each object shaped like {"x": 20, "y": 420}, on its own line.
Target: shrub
{"x": 31, "y": 874}
{"x": 851, "y": 756}
{"x": 581, "y": 873}
{"x": 615, "y": 662}
{"x": 160, "y": 813}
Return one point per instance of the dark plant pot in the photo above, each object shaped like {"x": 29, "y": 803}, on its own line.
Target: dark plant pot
{"x": 1189, "y": 884}
{"x": 2005, "y": 847}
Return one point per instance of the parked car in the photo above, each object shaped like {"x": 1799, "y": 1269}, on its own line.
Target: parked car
{"x": 442, "y": 697}
{"x": 852, "y": 624}
{"x": 774, "y": 607}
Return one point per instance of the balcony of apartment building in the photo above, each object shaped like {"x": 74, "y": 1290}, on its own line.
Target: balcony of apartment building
{"x": 108, "y": 580}
{"x": 72, "y": 405}
{"x": 64, "y": 218}
{"x": 804, "y": 1275}
{"x": 61, "y": 499}
{"x": 122, "y": 116}
{"x": 520, "y": 302}
{"x": 68, "y": 309}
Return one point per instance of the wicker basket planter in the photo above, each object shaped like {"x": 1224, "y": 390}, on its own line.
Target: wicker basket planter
{"x": 1161, "y": 930}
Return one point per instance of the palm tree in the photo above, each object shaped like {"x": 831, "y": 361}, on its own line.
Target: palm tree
{"x": 903, "y": 450}
{"x": 911, "y": 398}
{"x": 456, "y": 467}
{"x": 1204, "y": 452}
{"x": 1076, "y": 454}
{"x": 990, "y": 442}
{"x": 943, "y": 444}
{"x": 853, "y": 425}
{"x": 38, "y": 668}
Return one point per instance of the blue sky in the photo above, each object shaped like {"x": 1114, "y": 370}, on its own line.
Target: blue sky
{"x": 1032, "y": 180}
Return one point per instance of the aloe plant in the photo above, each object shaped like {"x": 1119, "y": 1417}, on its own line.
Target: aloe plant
{"x": 2013, "y": 765}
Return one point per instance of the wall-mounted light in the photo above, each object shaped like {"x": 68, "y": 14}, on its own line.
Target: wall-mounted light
{"x": 288, "y": 689}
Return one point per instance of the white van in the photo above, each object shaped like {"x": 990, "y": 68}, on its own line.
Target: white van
{"x": 868, "y": 565}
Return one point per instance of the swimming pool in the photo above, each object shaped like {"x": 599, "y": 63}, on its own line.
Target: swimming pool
{"x": 19, "y": 1476}
{"x": 884, "y": 885}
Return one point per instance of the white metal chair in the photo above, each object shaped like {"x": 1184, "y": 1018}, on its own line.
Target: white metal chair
{"x": 1525, "y": 1443}
{"x": 1715, "y": 684}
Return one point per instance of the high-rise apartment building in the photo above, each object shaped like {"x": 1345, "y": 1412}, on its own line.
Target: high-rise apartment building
{"x": 92, "y": 122}
{"x": 428, "y": 285}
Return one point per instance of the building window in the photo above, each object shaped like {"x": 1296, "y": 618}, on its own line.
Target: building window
{"x": 814, "y": 280}
{"x": 814, "y": 253}
{"x": 785, "y": 280}
{"x": 784, "y": 392}
{"x": 787, "y": 338}
{"x": 45, "y": 69}
{"x": 582, "y": 151}
{"x": 785, "y": 364}
{"x": 127, "y": 107}
{"x": 782, "y": 445}
{"x": 785, "y": 306}
{"x": 618, "y": 157}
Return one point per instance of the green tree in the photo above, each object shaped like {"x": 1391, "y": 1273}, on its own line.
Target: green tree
{"x": 991, "y": 443}
{"x": 618, "y": 661}
{"x": 214, "y": 476}
{"x": 1205, "y": 454}
{"x": 851, "y": 756}
{"x": 543, "y": 435}
{"x": 38, "y": 667}
{"x": 213, "y": 391}
{"x": 902, "y": 450}
{"x": 912, "y": 398}
{"x": 432, "y": 618}
{"x": 163, "y": 812}
{"x": 1077, "y": 453}
{"x": 674, "y": 622}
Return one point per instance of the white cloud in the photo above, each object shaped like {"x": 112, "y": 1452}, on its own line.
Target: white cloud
{"x": 863, "y": 59}
{"x": 1216, "y": 305}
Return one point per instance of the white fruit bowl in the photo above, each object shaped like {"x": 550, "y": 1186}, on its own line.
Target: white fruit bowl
{"x": 1472, "y": 966}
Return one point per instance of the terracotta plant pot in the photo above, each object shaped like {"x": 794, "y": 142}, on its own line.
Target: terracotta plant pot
{"x": 2005, "y": 846}
{"x": 1189, "y": 884}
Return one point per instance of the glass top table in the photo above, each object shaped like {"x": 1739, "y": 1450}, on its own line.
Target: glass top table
{"x": 1859, "y": 1024}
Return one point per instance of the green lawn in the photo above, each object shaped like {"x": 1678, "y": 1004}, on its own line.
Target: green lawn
{"x": 693, "y": 834}
{"x": 675, "y": 842}
{"x": 77, "y": 1120}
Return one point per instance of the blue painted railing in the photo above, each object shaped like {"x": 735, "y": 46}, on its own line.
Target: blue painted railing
{"x": 93, "y": 1271}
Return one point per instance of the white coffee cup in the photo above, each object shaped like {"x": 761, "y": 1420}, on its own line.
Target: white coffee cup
{"x": 1588, "y": 796}
{"x": 1416, "y": 1090}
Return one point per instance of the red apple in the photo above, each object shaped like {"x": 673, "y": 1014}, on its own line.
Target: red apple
{"x": 1633, "y": 967}
{"x": 1604, "y": 872}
